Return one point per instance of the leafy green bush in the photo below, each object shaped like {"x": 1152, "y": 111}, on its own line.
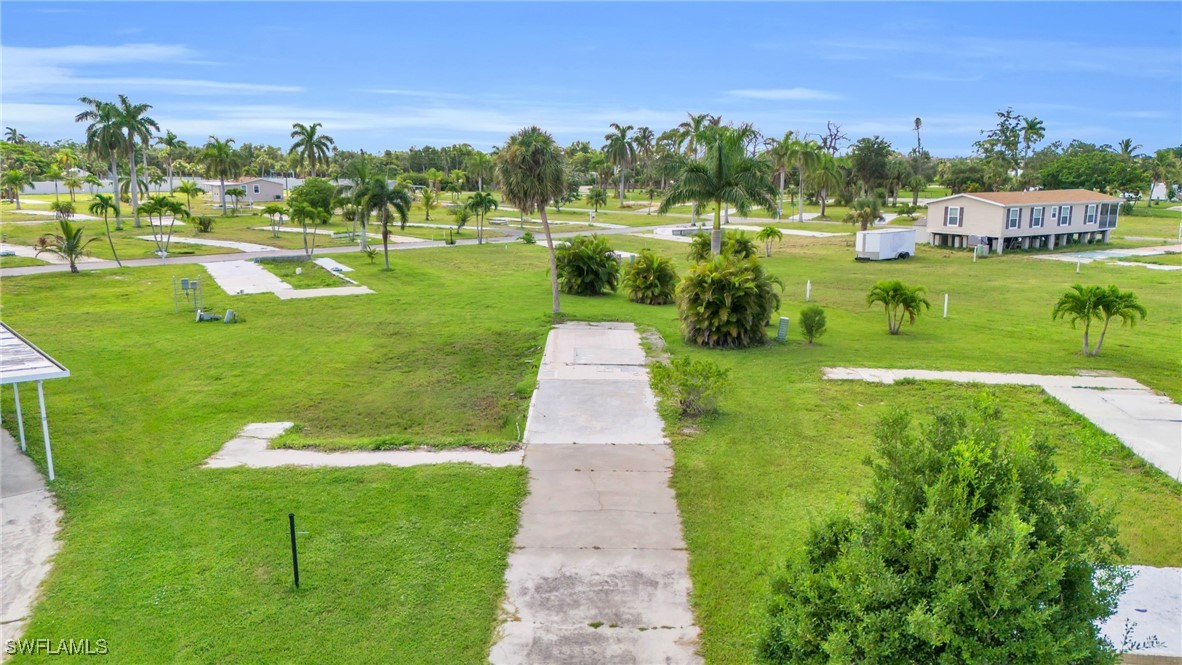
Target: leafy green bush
{"x": 812, "y": 322}
{"x": 587, "y": 266}
{"x": 739, "y": 245}
{"x": 528, "y": 238}
{"x": 966, "y": 549}
{"x": 727, "y": 303}
{"x": 204, "y": 224}
{"x": 370, "y": 253}
{"x": 699, "y": 249}
{"x": 650, "y": 279}
{"x": 694, "y": 386}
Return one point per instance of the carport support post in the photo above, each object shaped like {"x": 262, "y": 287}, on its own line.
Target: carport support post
{"x": 45, "y": 428}
{"x": 20, "y": 423}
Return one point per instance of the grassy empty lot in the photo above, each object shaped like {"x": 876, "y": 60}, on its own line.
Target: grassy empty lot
{"x": 408, "y": 563}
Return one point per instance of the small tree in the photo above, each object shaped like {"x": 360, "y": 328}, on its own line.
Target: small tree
{"x": 190, "y": 189}
{"x": 430, "y": 200}
{"x": 900, "y": 301}
{"x": 966, "y": 549}
{"x": 727, "y": 302}
{"x": 812, "y": 322}
{"x": 104, "y": 204}
{"x": 767, "y": 234}
{"x": 587, "y": 266}
{"x": 461, "y": 214}
{"x": 1088, "y": 303}
{"x": 651, "y": 279}
{"x": 275, "y": 212}
{"x": 597, "y": 196}
{"x": 68, "y": 244}
{"x": 236, "y": 193}
{"x": 865, "y": 211}
{"x": 62, "y": 209}
{"x": 739, "y": 245}
{"x": 694, "y": 386}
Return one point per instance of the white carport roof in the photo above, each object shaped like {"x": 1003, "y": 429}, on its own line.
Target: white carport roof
{"x": 21, "y": 362}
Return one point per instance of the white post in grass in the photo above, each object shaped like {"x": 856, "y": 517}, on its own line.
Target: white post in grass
{"x": 45, "y": 429}
{"x": 945, "y": 305}
{"x": 20, "y": 422}
{"x": 1077, "y": 267}
{"x": 808, "y": 290}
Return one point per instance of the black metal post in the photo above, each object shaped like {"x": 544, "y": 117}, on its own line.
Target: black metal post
{"x": 295, "y": 562}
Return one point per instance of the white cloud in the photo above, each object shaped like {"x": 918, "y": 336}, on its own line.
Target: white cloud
{"x": 784, "y": 94}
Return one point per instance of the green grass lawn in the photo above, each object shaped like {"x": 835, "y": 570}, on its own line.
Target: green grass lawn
{"x": 408, "y": 563}
{"x": 303, "y": 274}
{"x": 1167, "y": 259}
{"x": 20, "y": 261}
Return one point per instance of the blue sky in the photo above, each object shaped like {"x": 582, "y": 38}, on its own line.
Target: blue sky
{"x": 392, "y": 75}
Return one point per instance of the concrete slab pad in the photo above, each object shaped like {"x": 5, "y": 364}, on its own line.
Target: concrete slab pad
{"x": 1154, "y": 603}
{"x": 229, "y": 244}
{"x": 602, "y": 529}
{"x": 265, "y": 430}
{"x": 580, "y": 411}
{"x": 544, "y": 644}
{"x": 563, "y": 491}
{"x": 599, "y": 458}
{"x": 244, "y": 278}
{"x": 296, "y": 294}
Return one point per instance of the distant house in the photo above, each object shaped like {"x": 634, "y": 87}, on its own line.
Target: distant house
{"x": 1007, "y": 220}
{"x": 258, "y": 190}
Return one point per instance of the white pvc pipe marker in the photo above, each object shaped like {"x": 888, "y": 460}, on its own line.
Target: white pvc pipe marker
{"x": 945, "y": 305}
{"x": 808, "y": 290}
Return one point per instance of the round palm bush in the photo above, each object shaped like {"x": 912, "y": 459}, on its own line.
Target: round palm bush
{"x": 587, "y": 266}
{"x": 650, "y": 279}
{"x": 727, "y": 302}
{"x": 739, "y": 244}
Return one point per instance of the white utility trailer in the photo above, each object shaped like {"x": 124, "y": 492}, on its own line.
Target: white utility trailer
{"x": 884, "y": 244}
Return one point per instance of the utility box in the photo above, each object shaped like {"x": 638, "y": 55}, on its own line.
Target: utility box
{"x": 884, "y": 244}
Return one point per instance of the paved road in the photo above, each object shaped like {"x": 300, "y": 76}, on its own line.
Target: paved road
{"x": 598, "y": 573}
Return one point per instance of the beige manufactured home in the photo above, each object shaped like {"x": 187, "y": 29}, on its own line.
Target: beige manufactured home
{"x": 1042, "y": 219}
{"x": 258, "y": 190}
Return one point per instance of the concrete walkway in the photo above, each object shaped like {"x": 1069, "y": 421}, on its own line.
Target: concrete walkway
{"x": 28, "y": 530}
{"x": 229, "y": 244}
{"x": 250, "y": 449}
{"x": 76, "y": 217}
{"x": 48, "y": 257}
{"x": 1154, "y": 603}
{"x": 1102, "y": 254}
{"x": 598, "y": 573}
{"x": 1148, "y": 424}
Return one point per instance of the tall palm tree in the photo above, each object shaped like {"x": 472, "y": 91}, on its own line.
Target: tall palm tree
{"x": 430, "y": 200}
{"x": 693, "y": 130}
{"x": 900, "y": 301}
{"x": 222, "y": 161}
{"x": 1118, "y": 304}
{"x": 804, "y": 155}
{"x": 381, "y": 197}
{"x": 310, "y": 145}
{"x": 480, "y": 203}
{"x": 480, "y": 166}
{"x": 104, "y": 204}
{"x": 16, "y": 181}
{"x": 918, "y": 140}
{"x": 781, "y": 160}
{"x": 171, "y": 144}
{"x": 104, "y": 138}
{"x": 1032, "y": 131}
{"x": 136, "y": 127}
{"x": 93, "y": 182}
{"x": 826, "y": 177}
{"x": 532, "y": 171}
{"x": 359, "y": 172}
{"x": 13, "y": 136}
{"x": 73, "y": 184}
{"x": 1164, "y": 168}
{"x": 1127, "y": 148}
{"x": 190, "y": 189}
{"x": 727, "y": 176}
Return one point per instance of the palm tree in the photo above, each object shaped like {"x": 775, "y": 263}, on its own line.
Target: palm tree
{"x": 1032, "y": 131}
{"x": 480, "y": 203}
{"x": 532, "y": 172}
{"x": 767, "y": 234}
{"x": 380, "y": 197}
{"x": 918, "y": 140}
{"x": 597, "y": 197}
{"x": 781, "y": 161}
{"x": 643, "y": 141}
{"x": 13, "y": 136}
{"x": 310, "y": 145}
{"x": 727, "y": 176}
{"x": 805, "y": 155}
{"x": 54, "y": 173}
{"x": 479, "y": 166}
{"x": 171, "y": 144}
{"x": 125, "y": 187}
{"x": 135, "y": 126}
{"x": 222, "y": 161}
{"x": 1118, "y": 304}
{"x": 1127, "y": 148}
{"x": 1080, "y": 303}
{"x": 15, "y": 182}
{"x": 304, "y": 214}
{"x": 1163, "y": 168}
{"x": 916, "y": 184}
{"x": 190, "y": 189}
{"x": 865, "y": 211}
{"x": 162, "y": 205}
{"x": 236, "y": 193}
{"x": 93, "y": 182}
{"x": 826, "y": 177}
{"x": 620, "y": 152}
{"x": 68, "y": 245}
{"x": 104, "y": 204}
{"x": 73, "y": 184}
{"x": 900, "y": 301}
{"x": 275, "y": 212}
{"x": 430, "y": 200}
{"x": 693, "y": 130}
{"x": 104, "y": 138}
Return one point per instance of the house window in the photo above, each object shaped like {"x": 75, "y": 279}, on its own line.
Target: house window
{"x": 1013, "y": 218}
{"x": 952, "y": 216}
{"x": 1090, "y": 214}
{"x": 1064, "y": 215}
{"x": 1108, "y": 213}
{"x": 1036, "y": 217}
{"x": 256, "y": 189}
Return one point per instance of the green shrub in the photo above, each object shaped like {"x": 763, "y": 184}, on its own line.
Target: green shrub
{"x": 370, "y": 253}
{"x": 965, "y": 549}
{"x": 699, "y": 249}
{"x": 694, "y": 386}
{"x": 739, "y": 245}
{"x": 650, "y": 279}
{"x": 727, "y": 302}
{"x": 812, "y": 322}
{"x": 528, "y": 238}
{"x": 587, "y": 266}
{"x": 204, "y": 224}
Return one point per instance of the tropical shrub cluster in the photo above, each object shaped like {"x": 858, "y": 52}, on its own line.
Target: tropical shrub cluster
{"x": 812, "y": 322}
{"x": 901, "y": 302}
{"x": 693, "y": 385}
{"x": 966, "y": 549}
{"x": 587, "y": 266}
{"x": 650, "y": 279}
{"x": 727, "y": 302}
{"x": 734, "y": 243}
